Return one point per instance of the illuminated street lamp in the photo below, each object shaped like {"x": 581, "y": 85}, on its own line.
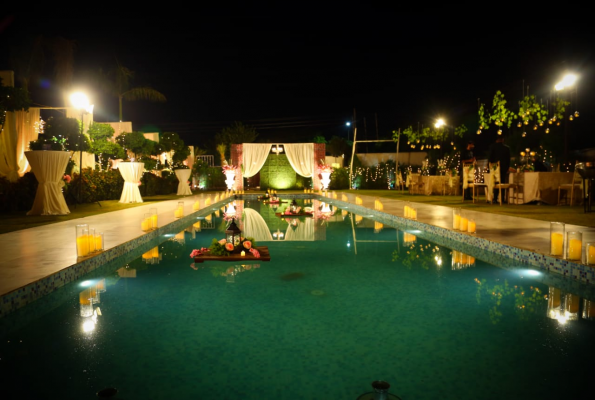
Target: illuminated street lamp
{"x": 567, "y": 82}
{"x": 80, "y": 101}
{"x": 348, "y": 125}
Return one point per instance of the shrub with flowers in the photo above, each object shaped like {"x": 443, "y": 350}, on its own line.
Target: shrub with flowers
{"x": 322, "y": 167}
{"x": 229, "y": 168}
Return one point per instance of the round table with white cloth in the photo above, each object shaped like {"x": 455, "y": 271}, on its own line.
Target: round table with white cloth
{"x": 131, "y": 172}
{"x": 183, "y": 174}
{"x": 48, "y": 167}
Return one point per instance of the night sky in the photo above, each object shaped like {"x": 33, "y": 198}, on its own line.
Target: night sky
{"x": 297, "y": 75}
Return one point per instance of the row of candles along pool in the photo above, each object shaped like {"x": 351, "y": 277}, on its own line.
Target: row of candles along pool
{"x": 88, "y": 241}
{"x": 572, "y": 242}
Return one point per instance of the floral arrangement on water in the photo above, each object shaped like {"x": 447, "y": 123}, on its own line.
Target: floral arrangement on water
{"x": 229, "y": 168}
{"x": 223, "y": 248}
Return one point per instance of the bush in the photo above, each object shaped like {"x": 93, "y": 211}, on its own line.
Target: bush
{"x": 18, "y": 196}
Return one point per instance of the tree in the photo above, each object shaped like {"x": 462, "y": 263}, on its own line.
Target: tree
{"x": 172, "y": 143}
{"x": 236, "y": 133}
{"x": 338, "y": 146}
{"x": 67, "y": 130}
{"x": 102, "y": 146}
{"x": 28, "y": 59}
{"x": 221, "y": 147}
{"x": 136, "y": 143}
{"x": 319, "y": 139}
{"x": 117, "y": 83}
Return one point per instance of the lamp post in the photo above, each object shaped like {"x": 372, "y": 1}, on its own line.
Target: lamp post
{"x": 80, "y": 101}
{"x": 348, "y": 125}
{"x": 567, "y": 81}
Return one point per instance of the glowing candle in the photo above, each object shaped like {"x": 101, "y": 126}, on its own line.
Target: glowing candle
{"x": 82, "y": 245}
{"x": 463, "y": 224}
{"x": 99, "y": 241}
{"x": 243, "y": 253}
{"x": 456, "y": 222}
{"x": 471, "y": 228}
{"x": 413, "y": 213}
{"x": 145, "y": 224}
{"x": 557, "y": 244}
{"x": 179, "y": 213}
{"x": 590, "y": 254}
{"x": 574, "y": 249}
{"x": 154, "y": 221}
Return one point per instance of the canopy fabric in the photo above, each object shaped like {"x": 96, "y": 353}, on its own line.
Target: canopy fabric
{"x": 48, "y": 167}
{"x": 27, "y": 132}
{"x": 183, "y": 175}
{"x": 131, "y": 172}
{"x": 256, "y": 227}
{"x": 254, "y": 156}
{"x": 8, "y": 148}
{"x": 301, "y": 157}
{"x": 304, "y": 231}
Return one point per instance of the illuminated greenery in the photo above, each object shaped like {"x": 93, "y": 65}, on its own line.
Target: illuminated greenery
{"x": 523, "y": 302}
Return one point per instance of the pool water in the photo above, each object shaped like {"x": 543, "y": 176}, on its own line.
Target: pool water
{"x": 343, "y": 302}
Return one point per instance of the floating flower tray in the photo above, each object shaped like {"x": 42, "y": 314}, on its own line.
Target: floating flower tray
{"x": 263, "y": 250}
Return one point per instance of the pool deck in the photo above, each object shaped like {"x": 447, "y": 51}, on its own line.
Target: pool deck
{"x": 32, "y": 255}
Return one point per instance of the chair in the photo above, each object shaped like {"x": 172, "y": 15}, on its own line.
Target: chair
{"x": 517, "y": 195}
{"x": 498, "y": 182}
{"x": 577, "y": 182}
{"x": 468, "y": 178}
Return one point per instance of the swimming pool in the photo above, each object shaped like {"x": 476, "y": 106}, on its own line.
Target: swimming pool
{"x": 344, "y": 301}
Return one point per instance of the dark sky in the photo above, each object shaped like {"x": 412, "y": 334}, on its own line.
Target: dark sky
{"x": 301, "y": 74}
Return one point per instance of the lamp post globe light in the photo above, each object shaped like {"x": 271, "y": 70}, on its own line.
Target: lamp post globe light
{"x": 348, "y": 125}
{"x": 567, "y": 82}
{"x": 80, "y": 101}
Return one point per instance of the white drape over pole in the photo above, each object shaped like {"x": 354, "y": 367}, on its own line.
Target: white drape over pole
{"x": 8, "y": 148}
{"x": 254, "y": 156}
{"x": 301, "y": 156}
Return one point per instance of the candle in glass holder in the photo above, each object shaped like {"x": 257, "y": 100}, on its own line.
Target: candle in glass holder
{"x": 591, "y": 253}
{"x": 91, "y": 240}
{"x": 464, "y": 224}
{"x": 196, "y": 205}
{"x": 471, "y": 226}
{"x": 575, "y": 246}
{"x": 243, "y": 253}
{"x": 456, "y": 218}
{"x": 153, "y": 212}
{"x": 82, "y": 240}
{"x": 98, "y": 241}
{"x": 145, "y": 224}
{"x": 557, "y": 239}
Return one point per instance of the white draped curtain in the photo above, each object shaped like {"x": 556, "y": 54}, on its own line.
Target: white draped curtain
{"x": 132, "y": 172}
{"x": 254, "y": 156}
{"x": 8, "y": 145}
{"x": 256, "y": 227}
{"x": 304, "y": 231}
{"x": 48, "y": 167}
{"x": 301, "y": 158}
{"x": 25, "y": 121}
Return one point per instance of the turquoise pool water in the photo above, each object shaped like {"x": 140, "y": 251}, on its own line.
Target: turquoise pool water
{"x": 343, "y": 302}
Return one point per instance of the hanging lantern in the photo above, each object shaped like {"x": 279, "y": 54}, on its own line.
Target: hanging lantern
{"x": 408, "y": 143}
{"x": 535, "y": 128}
{"x": 540, "y": 123}
{"x": 571, "y": 117}
{"x": 233, "y": 233}
{"x": 547, "y": 130}
{"x": 519, "y": 124}
{"x": 522, "y": 153}
{"x": 479, "y": 131}
{"x": 526, "y": 122}
{"x": 550, "y": 122}
{"x": 554, "y": 118}
{"x": 524, "y": 134}
{"x": 481, "y": 127}
{"x": 558, "y": 123}
{"x": 576, "y": 114}
{"x": 499, "y": 131}
{"x": 452, "y": 143}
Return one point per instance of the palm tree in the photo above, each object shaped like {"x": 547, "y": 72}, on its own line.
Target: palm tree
{"x": 221, "y": 149}
{"x": 118, "y": 84}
